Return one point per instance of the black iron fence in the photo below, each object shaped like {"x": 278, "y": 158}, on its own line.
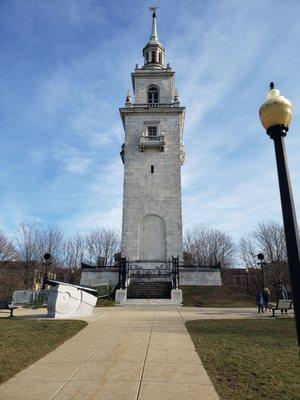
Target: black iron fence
{"x": 136, "y": 271}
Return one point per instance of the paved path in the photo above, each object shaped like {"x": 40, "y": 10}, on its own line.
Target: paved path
{"x": 124, "y": 353}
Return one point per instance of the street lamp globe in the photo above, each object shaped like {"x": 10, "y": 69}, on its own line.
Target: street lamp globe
{"x": 275, "y": 110}
{"x": 275, "y": 115}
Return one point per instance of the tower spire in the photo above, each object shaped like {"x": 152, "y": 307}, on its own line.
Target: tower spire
{"x": 154, "y": 51}
{"x": 153, "y": 37}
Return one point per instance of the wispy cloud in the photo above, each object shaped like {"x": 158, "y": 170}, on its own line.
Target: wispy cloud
{"x": 59, "y": 159}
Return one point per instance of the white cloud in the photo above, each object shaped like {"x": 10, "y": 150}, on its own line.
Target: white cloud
{"x": 71, "y": 159}
{"x": 93, "y": 219}
{"x": 223, "y": 54}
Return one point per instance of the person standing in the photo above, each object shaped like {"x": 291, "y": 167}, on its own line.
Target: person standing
{"x": 281, "y": 293}
{"x": 260, "y": 301}
{"x": 266, "y": 297}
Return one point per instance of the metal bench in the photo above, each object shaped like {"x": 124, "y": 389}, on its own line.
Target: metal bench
{"x": 281, "y": 305}
{"x": 4, "y": 305}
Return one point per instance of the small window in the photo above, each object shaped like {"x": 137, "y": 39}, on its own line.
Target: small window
{"x": 152, "y": 169}
{"x": 153, "y": 56}
{"x": 153, "y": 95}
{"x": 152, "y": 130}
{"x": 160, "y": 58}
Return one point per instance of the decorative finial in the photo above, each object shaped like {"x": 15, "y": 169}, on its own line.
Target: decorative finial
{"x": 153, "y": 8}
{"x": 272, "y": 85}
{"x": 128, "y": 98}
{"x": 176, "y": 97}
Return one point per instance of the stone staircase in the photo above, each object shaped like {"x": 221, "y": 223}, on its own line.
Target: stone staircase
{"x": 149, "y": 290}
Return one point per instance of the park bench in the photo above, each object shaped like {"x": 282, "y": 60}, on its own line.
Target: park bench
{"x": 4, "y": 305}
{"x": 281, "y": 305}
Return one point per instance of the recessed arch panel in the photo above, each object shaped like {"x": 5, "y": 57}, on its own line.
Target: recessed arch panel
{"x": 152, "y": 238}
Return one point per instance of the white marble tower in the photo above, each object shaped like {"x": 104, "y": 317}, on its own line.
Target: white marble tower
{"x": 152, "y": 154}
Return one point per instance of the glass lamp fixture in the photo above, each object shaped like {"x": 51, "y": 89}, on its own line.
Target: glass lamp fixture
{"x": 275, "y": 110}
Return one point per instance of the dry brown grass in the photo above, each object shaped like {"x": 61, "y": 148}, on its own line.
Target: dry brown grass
{"x": 24, "y": 342}
{"x": 249, "y": 359}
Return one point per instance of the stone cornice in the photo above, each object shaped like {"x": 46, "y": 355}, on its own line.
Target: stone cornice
{"x": 152, "y": 110}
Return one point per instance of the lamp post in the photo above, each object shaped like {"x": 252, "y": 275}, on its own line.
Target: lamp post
{"x": 275, "y": 115}
{"x": 247, "y": 279}
{"x": 261, "y": 257}
{"x": 47, "y": 258}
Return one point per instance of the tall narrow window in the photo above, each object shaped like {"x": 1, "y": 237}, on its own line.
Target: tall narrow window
{"x": 153, "y": 56}
{"x": 152, "y": 130}
{"x": 152, "y": 95}
{"x": 160, "y": 58}
{"x": 152, "y": 169}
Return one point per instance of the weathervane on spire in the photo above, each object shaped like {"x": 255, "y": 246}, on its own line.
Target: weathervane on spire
{"x": 153, "y": 8}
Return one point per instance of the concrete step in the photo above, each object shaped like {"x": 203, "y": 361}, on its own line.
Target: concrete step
{"x": 154, "y": 290}
{"x": 148, "y": 302}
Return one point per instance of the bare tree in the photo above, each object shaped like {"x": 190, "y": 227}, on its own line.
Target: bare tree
{"x": 53, "y": 243}
{"x": 111, "y": 244}
{"x": 33, "y": 242}
{"x": 209, "y": 246}
{"x": 29, "y": 251}
{"x": 74, "y": 249}
{"x": 102, "y": 243}
{"x": 9, "y": 272}
{"x": 7, "y": 249}
{"x": 267, "y": 238}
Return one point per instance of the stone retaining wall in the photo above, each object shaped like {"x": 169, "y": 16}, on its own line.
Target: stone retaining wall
{"x": 187, "y": 276}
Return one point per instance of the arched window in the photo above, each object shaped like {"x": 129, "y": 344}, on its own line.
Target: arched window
{"x": 160, "y": 58}
{"x": 153, "y": 56}
{"x": 153, "y": 95}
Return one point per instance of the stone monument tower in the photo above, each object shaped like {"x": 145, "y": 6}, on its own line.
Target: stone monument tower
{"x": 152, "y": 154}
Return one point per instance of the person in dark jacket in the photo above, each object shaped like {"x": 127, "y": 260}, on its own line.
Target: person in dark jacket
{"x": 260, "y": 301}
{"x": 281, "y": 293}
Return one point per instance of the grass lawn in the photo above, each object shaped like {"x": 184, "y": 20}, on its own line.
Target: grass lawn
{"x": 24, "y": 342}
{"x": 105, "y": 302}
{"x": 249, "y": 359}
{"x": 215, "y": 296}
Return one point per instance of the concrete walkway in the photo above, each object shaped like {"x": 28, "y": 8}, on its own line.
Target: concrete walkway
{"x": 124, "y": 353}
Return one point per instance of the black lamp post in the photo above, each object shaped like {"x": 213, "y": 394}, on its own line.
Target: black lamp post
{"x": 47, "y": 258}
{"x": 247, "y": 280}
{"x": 261, "y": 257}
{"x": 275, "y": 115}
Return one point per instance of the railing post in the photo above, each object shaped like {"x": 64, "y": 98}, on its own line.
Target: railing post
{"x": 174, "y": 278}
{"x": 177, "y": 273}
{"x": 175, "y": 261}
{"x": 122, "y": 273}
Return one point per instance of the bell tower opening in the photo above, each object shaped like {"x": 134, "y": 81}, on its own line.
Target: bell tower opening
{"x": 153, "y": 94}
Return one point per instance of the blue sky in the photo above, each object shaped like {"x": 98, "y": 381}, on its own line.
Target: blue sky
{"x": 65, "y": 70}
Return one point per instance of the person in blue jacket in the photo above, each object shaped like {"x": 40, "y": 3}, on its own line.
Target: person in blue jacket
{"x": 260, "y": 301}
